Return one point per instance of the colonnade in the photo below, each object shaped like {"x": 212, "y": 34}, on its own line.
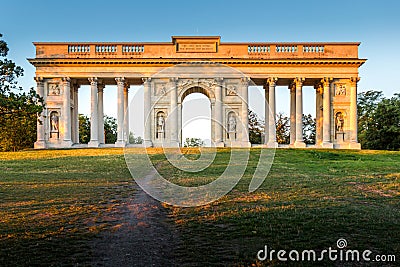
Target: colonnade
{"x": 97, "y": 134}
{"x": 324, "y": 136}
{"x": 69, "y": 123}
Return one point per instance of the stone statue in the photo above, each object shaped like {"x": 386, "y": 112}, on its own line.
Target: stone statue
{"x": 160, "y": 123}
{"x": 339, "y": 122}
{"x": 232, "y": 123}
{"x": 54, "y": 122}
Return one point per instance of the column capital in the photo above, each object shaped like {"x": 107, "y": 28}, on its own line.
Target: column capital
{"x": 100, "y": 87}
{"x": 271, "y": 81}
{"x": 75, "y": 84}
{"x": 318, "y": 88}
{"x": 146, "y": 79}
{"x": 38, "y": 79}
{"x": 172, "y": 82}
{"x": 292, "y": 87}
{"x": 245, "y": 81}
{"x": 93, "y": 81}
{"x": 298, "y": 81}
{"x": 66, "y": 80}
{"x": 127, "y": 85}
{"x": 326, "y": 81}
{"x": 219, "y": 80}
{"x": 120, "y": 81}
{"x": 354, "y": 81}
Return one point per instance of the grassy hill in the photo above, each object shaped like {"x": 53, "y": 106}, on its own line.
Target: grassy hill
{"x": 54, "y": 202}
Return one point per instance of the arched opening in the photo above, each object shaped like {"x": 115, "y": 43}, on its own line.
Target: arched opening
{"x": 196, "y": 116}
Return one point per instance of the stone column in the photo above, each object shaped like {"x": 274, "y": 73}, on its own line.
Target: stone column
{"x": 180, "y": 123}
{"x": 245, "y": 112}
{"x": 212, "y": 121}
{"x": 318, "y": 117}
{"x": 326, "y": 128}
{"x": 292, "y": 89}
{"x": 41, "y": 139}
{"x": 120, "y": 112}
{"x": 266, "y": 114}
{"x": 218, "y": 113}
{"x": 76, "y": 115}
{"x": 173, "y": 113}
{"x": 126, "y": 113}
{"x": 272, "y": 116}
{"x": 100, "y": 88}
{"x": 66, "y": 85}
{"x": 353, "y": 113}
{"x": 147, "y": 112}
{"x": 299, "y": 113}
{"x": 94, "y": 116}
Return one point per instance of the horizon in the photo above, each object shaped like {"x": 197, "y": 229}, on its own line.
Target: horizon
{"x": 371, "y": 24}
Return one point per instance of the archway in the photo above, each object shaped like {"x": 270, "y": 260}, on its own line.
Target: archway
{"x": 196, "y": 116}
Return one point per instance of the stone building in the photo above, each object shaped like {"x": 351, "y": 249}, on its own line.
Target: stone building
{"x": 169, "y": 71}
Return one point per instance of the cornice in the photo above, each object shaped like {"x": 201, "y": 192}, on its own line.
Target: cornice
{"x": 170, "y": 61}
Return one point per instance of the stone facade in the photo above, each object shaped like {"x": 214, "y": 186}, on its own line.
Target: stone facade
{"x": 332, "y": 68}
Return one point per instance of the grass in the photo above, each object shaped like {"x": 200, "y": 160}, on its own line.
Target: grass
{"x": 54, "y": 202}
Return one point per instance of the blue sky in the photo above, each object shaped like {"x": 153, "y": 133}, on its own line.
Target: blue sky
{"x": 375, "y": 24}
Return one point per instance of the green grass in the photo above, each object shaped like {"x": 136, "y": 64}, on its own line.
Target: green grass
{"x": 54, "y": 202}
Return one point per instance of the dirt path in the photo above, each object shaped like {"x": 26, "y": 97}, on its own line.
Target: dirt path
{"x": 142, "y": 235}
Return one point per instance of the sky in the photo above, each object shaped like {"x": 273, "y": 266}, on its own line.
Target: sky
{"x": 376, "y": 24}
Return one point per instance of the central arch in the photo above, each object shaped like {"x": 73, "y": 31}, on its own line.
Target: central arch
{"x": 196, "y": 122}
{"x": 196, "y": 89}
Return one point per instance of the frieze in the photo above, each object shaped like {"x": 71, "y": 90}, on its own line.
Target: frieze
{"x": 340, "y": 89}
{"x": 184, "y": 83}
{"x": 54, "y": 89}
{"x": 231, "y": 90}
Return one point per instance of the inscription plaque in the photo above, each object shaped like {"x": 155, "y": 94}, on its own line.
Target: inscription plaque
{"x": 197, "y": 48}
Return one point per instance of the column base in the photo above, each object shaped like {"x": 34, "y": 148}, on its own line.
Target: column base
{"x": 272, "y": 144}
{"x": 318, "y": 144}
{"x": 246, "y": 144}
{"x": 120, "y": 144}
{"x": 171, "y": 144}
{"x": 219, "y": 144}
{"x": 93, "y": 143}
{"x": 40, "y": 144}
{"x": 299, "y": 144}
{"x": 355, "y": 146}
{"x": 147, "y": 143}
{"x": 66, "y": 144}
{"x": 328, "y": 145}
{"x": 238, "y": 144}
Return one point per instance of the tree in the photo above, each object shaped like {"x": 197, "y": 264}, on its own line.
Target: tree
{"x": 256, "y": 126}
{"x": 18, "y": 109}
{"x": 380, "y": 121}
{"x": 84, "y": 129}
{"x": 193, "y": 142}
{"x": 135, "y": 140}
{"x": 110, "y": 129}
{"x": 282, "y": 129}
{"x": 309, "y": 129}
{"x": 366, "y": 106}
